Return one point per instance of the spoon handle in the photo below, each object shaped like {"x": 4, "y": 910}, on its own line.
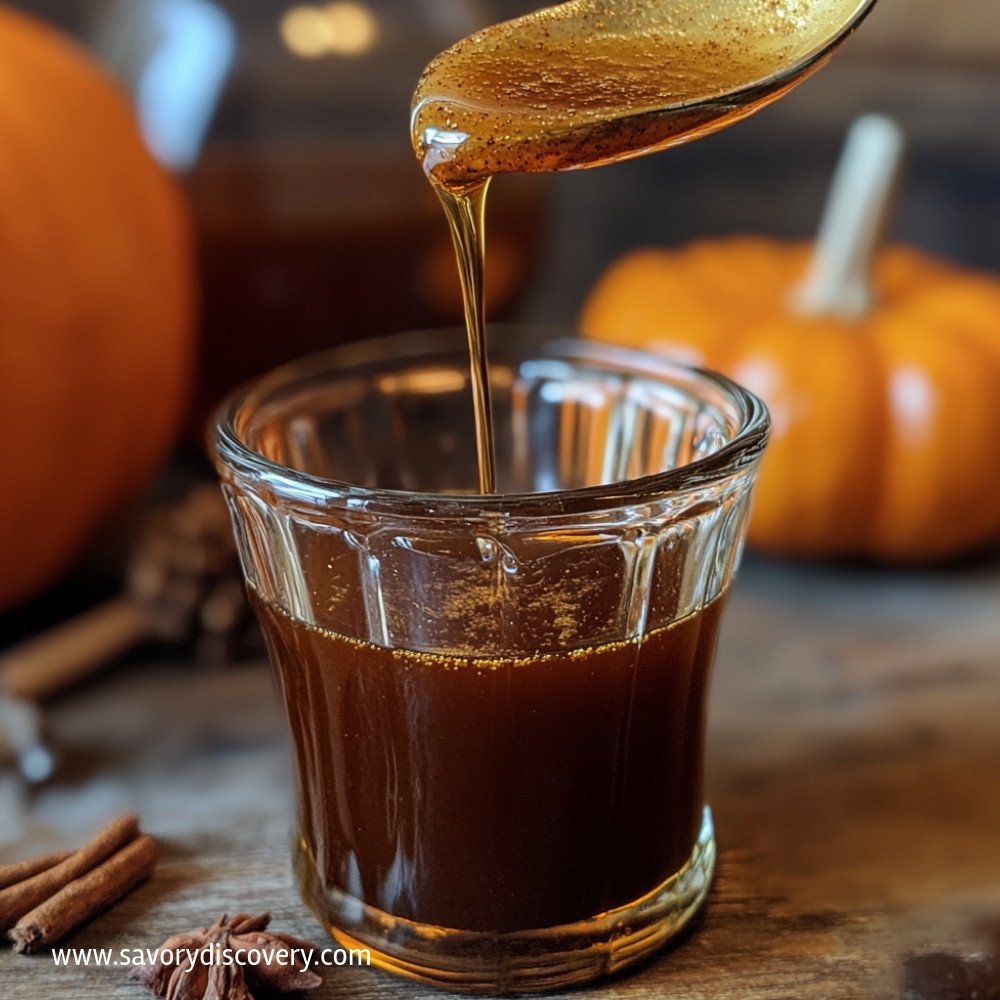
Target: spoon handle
{"x": 857, "y": 211}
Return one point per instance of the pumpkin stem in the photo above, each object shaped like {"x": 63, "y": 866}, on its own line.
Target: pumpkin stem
{"x": 858, "y": 207}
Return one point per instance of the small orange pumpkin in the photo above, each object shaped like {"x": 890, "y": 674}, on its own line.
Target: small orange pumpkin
{"x": 96, "y": 304}
{"x": 885, "y": 428}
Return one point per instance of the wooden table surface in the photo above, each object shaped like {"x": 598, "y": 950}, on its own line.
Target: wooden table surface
{"x": 854, "y": 767}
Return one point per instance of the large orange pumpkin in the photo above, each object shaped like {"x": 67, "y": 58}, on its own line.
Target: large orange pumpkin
{"x": 885, "y": 429}
{"x": 96, "y": 304}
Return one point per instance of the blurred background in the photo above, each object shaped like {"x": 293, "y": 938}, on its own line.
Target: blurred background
{"x": 285, "y": 125}
{"x": 288, "y": 125}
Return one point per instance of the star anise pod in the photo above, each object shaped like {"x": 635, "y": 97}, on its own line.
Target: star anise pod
{"x": 175, "y": 976}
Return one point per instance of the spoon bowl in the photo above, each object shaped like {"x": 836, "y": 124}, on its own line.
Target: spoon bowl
{"x": 588, "y": 82}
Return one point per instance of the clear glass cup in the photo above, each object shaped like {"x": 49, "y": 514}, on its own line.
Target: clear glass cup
{"x": 497, "y": 703}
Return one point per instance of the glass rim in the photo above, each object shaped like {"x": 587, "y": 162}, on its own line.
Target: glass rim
{"x": 230, "y": 450}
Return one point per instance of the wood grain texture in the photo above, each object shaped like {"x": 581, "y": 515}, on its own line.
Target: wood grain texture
{"x": 854, "y": 763}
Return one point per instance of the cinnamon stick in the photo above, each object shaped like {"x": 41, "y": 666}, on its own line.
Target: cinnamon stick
{"x": 21, "y": 870}
{"x": 17, "y": 900}
{"x": 84, "y": 898}
{"x": 49, "y": 663}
